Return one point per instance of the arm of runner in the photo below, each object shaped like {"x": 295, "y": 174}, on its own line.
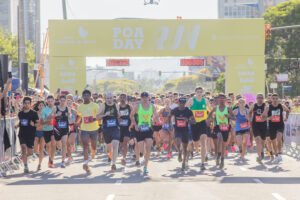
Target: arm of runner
{"x": 264, "y": 116}
{"x": 132, "y": 118}
{"x": 210, "y": 115}
{"x": 100, "y": 113}
{"x": 231, "y": 115}
{"x": 250, "y": 113}
{"x": 235, "y": 112}
{"x": 156, "y": 114}
{"x": 189, "y": 103}
{"x": 287, "y": 110}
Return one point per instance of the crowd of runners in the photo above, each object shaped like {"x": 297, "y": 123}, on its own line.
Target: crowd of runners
{"x": 210, "y": 124}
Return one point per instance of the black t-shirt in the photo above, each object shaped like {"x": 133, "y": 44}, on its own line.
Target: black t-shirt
{"x": 180, "y": 118}
{"x": 25, "y": 119}
{"x": 275, "y": 113}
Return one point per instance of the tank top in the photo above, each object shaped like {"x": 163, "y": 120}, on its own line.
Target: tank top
{"x": 125, "y": 115}
{"x": 276, "y": 114}
{"x": 144, "y": 116}
{"x": 199, "y": 109}
{"x": 62, "y": 121}
{"x": 241, "y": 121}
{"x": 111, "y": 120}
{"x": 257, "y": 112}
{"x": 220, "y": 116}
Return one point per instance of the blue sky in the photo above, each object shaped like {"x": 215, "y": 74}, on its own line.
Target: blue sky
{"x": 111, "y": 9}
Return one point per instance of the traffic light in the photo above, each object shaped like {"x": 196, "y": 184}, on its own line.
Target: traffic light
{"x": 268, "y": 34}
{"x": 159, "y": 74}
{"x": 123, "y": 72}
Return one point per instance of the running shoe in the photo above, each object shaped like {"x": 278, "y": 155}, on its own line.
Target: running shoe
{"x": 236, "y": 147}
{"x": 226, "y": 152}
{"x": 146, "y": 170}
{"x": 179, "y": 157}
{"x": 63, "y": 165}
{"x": 222, "y": 164}
{"x": 137, "y": 164}
{"x": 202, "y": 167}
{"x": 183, "y": 167}
{"x": 26, "y": 169}
{"x": 123, "y": 162}
{"x": 217, "y": 161}
{"x": 233, "y": 149}
{"x": 258, "y": 159}
{"x": 192, "y": 155}
{"x": 87, "y": 168}
{"x": 69, "y": 160}
{"x": 269, "y": 154}
{"x": 279, "y": 158}
{"x": 272, "y": 158}
{"x": 50, "y": 165}
{"x": 93, "y": 154}
{"x": 169, "y": 156}
{"x": 39, "y": 167}
{"x": 113, "y": 168}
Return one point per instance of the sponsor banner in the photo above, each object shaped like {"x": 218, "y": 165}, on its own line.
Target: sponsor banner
{"x": 156, "y": 38}
{"x": 67, "y": 73}
{"x": 245, "y": 75}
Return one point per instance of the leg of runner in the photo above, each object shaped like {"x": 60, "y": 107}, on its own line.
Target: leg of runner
{"x": 85, "y": 144}
{"x": 178, "y": 146}
{"x": 115, "y": 152}
{"x": 36, "y": 145}
{"x": 53, "y": 150}
{"x": 244, "y": 144}
{"x": 63, "y": 150}
{"x": 125, "y": 149}
{"x": 148, "y": 144}
{"x": 221, "y": 151}
{"x": 94, "y": 146}
{"x": 71, "y": 145}
{"x": 41, "y": 150}
{"x": 203, "y": 139}
{"x": 259, "y": 148}
{"x": 24, "y": 157}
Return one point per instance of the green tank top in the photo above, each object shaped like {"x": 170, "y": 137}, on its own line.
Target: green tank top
{"x": 199, "y": 109}
{"x": 144, "y": 116}
{"x": 220, "y": 116}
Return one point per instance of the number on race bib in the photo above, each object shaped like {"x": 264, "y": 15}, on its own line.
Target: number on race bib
{"x": 275, "y": 118}
{"x": 88, "y": 120}
{"x": 144, "y": 128}
{"x": 124, "y": 122}
{"x": 62, "y": 124}
{"x": 224, "y": 127}
{"x": 199, "y": 114}
{"x": 258, "y": 119}
{"x": 24, "y": 122}
{"x": 244, "y": 125}
{"x": 111, "y": 123}
{"x": 181, "y": 123}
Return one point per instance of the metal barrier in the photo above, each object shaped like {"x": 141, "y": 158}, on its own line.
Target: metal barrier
{"x": 8, "y": 159}
{"x": 292, "y": 136}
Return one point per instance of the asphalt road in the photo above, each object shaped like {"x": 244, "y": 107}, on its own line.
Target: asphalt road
{"x": 165, "y": 180}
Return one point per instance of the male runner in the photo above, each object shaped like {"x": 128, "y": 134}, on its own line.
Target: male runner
{"x": 109, "y": 112}
{"x": 28, "y": 120}
{"x": 259, "y": 113}
{"x": 223, "y": 114}
{"x": 199, "y": 105}
{"x": 182, "y": 117}
{"x": 277, "y": 125}
{"x": 145, "y": 110}
{"x": 125, "y": 110}
{"x": 89, "y": 127}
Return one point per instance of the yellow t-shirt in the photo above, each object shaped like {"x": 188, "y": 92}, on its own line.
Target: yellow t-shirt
{"x": 88, "y": 112}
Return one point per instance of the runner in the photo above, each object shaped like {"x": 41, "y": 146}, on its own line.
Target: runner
{"x": 28, "y": 120}
{"x": 89, "y": 128}
{"x": 109, "y": 112}
{"x": 223, "y": 114}
{"x": 61, "y": 128}
{"x": 275, "y": 115}
{"x": 242, "y": 126}
{"x": 39, "y": 134}
{"x": 259, "y": 113}
{"x": 198, "y": 105}
{"x": 125, "y": 110}
{"x": 166, "y": 133}
{"x": 145, "y": 110}
{"x": 182, "y": 117}
{"x": 72, "y": 131}
{"x": 47, "y": 121}
{"x": 157, "y": 126}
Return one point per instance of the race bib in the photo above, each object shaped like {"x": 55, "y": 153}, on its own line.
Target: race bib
{"x": 181, "y": 123}
{"x": 124, "y": 122}
{"x": 199, "y": 114}
{"x": 24, "y": 122}
{"x": 88, "y": 120}
{"x": 224, "y": 127}
{"x": 62, "y": 124}
{"x": 144, "y": 128}
{"x": 258, "y": 119}
{"x": 165, "y": 126}
{"x": 275, "y": 118}
{"x": 111, "y": 123}
{"x": 244, "y": 125}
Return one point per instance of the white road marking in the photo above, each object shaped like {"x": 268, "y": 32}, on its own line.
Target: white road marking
{"x": 277, "y": 196}
{"x": 110, "y": 197}
{"x": 256, "y": 180}
{"x": 243, "y": 168}
{"x": 119, "y": 182}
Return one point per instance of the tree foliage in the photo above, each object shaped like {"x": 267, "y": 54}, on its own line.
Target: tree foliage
{"x": 220, "y": 84}
{"x": 283, "y": 50}
{"x": 117, "y": 86}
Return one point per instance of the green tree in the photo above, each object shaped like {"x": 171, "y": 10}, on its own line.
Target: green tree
{"x": 283, "y": 50}
{"x": 117, "y": 86}
{"x": 220, "y": 84}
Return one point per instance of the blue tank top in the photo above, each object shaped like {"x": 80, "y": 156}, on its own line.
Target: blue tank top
{"x": 241, "y": 121}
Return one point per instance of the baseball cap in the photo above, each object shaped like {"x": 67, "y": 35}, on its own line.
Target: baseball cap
{"x": 145, "y": 94}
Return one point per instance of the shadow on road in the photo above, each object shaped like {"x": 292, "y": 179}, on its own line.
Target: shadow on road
{"x": 265, "y": 180}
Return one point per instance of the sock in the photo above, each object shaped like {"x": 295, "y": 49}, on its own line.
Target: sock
{"x": 271, "y": 153}
{"x": 86, "y": 162}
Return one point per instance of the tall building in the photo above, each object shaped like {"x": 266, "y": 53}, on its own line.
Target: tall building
{"x": 9, "y": 16}
{"x": 245, "y": 8}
